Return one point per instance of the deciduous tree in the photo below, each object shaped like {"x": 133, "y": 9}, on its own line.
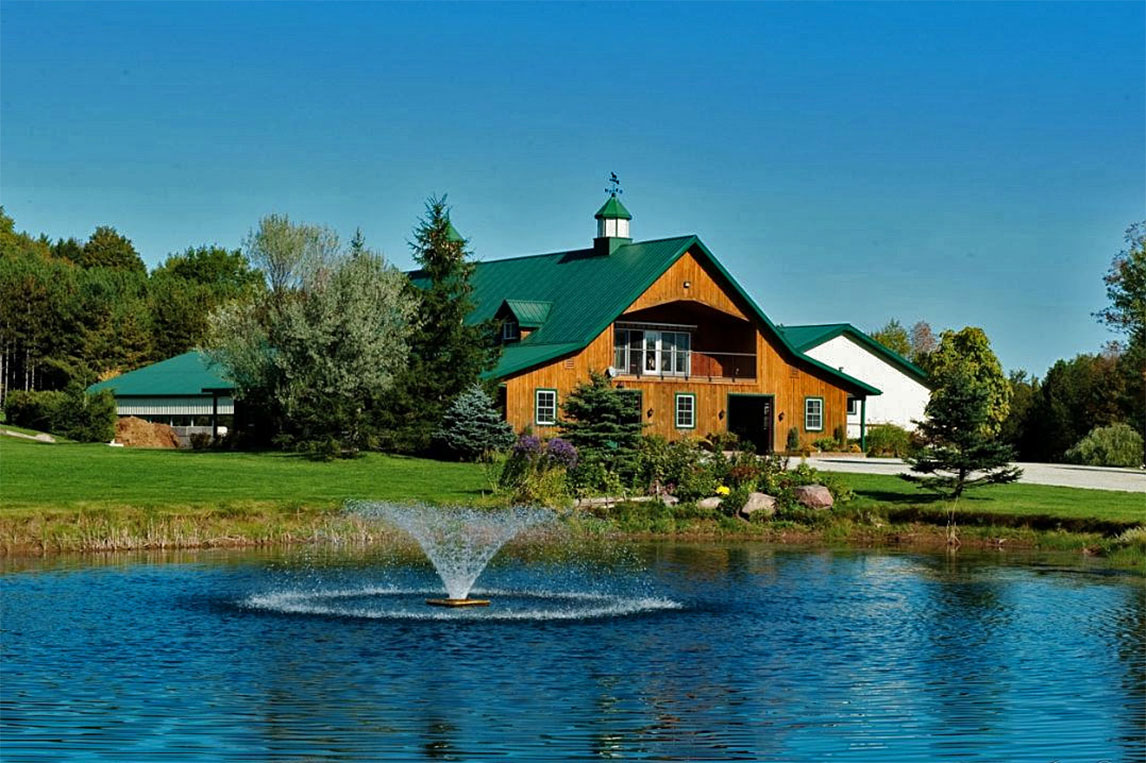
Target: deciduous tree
{"x": 894, "y": 337}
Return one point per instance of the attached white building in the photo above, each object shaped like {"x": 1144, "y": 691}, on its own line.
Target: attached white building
{"x": 844, "y": 347}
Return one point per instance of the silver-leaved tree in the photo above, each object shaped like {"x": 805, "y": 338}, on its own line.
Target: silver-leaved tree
{"x": 312, "y": 355}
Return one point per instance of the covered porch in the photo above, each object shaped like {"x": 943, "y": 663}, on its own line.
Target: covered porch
{"x": 684, "y": 340}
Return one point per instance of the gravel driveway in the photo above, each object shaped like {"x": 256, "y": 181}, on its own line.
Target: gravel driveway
{"x": 1064, "y": 475}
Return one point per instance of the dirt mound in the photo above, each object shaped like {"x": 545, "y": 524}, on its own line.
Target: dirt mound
{"x": 137, "y": 433}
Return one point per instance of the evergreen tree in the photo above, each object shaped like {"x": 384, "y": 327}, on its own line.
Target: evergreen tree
{"x": 604, "y": 423}
{"x": 959, "y": 452}
{"x": 472, "y": 427}
{"x": 447, "y": 353}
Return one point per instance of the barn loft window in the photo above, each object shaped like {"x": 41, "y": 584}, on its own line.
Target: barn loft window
{"x": 510, "y": 330}
{"x": 813, "y": 414}
{"x": 545, "y": 407}
{"x": 652, "y": 352}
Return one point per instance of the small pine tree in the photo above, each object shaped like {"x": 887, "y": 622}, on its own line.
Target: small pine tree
{"x": 604, "y": 424}
{"x": 472, "y": 426}
{"x": 959, "y": 453}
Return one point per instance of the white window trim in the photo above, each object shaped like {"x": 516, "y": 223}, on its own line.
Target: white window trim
{"x": 537, "y": 393}
{"x": 656, "y": 352}
{"x": 808, "y": 413}
{"x": 691, "y": 397}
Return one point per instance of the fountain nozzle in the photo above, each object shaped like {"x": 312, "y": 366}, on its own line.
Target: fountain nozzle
{"x": 458, "y": 602}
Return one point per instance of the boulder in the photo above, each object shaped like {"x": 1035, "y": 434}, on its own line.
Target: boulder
{"x": 814, "y": 496}
{"x": 712, "y": 503}
{"x": 758, "y": 503}
{"x": 669, "y": 500}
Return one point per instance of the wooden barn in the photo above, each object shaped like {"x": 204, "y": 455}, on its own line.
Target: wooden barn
{"x": 664, "y": 320}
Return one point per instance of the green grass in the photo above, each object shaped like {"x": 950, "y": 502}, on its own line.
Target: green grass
{"x": 1019, "y": 500}
{"x": 38, "y": 475}
{"x": 73, "y": 497}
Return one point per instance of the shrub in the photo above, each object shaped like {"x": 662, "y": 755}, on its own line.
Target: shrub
{"x": 604, "y": 424}
{"x": 1115, "y": 445}
{"x": 71, "y": 413}
{"x": 537, "y": 472}
{"x": 793, "y": 443}
{"x": 472, "y": 427}
{"x": 888, "y": 440}
{"x": 825, "y": 443}
{"x": 200, "y": 440}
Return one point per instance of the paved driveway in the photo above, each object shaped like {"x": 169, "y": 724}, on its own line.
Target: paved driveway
{"x": 1065, "y": 475}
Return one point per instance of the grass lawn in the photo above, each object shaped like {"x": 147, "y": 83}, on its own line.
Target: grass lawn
{"x": 889, "y": 491}
{"x": 42, "y": 475}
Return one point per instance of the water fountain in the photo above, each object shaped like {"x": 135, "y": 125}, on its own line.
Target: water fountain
{"x": 459, "y": 541}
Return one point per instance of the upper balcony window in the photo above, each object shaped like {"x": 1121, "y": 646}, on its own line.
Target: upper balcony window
{"x": 646, "y": 352}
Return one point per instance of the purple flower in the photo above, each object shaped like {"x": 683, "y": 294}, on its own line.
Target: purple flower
{"x": 528, "y": 446}
{"x": 561, "y": 453}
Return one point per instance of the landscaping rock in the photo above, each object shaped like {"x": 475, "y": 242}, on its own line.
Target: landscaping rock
{"x": 758, "y": 503}
{"x": 711, "y": 504}
{"x": 669, "y": 500}
{"x": 814, "y": 496}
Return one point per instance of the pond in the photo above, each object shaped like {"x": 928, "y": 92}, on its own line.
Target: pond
{"x": 738, "y": 651}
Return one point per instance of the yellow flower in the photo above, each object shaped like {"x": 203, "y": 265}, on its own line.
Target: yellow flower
{"x": 723, "y": 490}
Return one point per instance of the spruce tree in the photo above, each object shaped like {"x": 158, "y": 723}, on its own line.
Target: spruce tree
{"x": 959, "y": 452}
{"x": 604, "y": 424}
{"x": 472, "y": 426}
{"x": 447, "y": 354}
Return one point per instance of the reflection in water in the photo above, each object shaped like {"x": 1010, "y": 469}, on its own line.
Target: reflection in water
{"x": 776, "y": 654}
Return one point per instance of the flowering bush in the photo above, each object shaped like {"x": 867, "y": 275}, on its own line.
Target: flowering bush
{"x": 561, "y": 453}
{"x": 535, "y": 472}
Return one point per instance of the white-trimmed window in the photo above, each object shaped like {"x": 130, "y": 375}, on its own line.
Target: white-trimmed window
{"x": 545, "y": 407}
{"x": 813, "y": 414}
{"x": 643, "y": 352}
{"x": 853, "y": 406}
{"x": 510, "y": 331}
{"x": 685, "y": 409}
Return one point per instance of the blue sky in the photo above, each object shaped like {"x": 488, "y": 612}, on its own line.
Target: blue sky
{"x": 966, "y": 164}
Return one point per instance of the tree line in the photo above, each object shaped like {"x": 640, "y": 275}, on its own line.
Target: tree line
{"x": 1048, "y": 417}
{"x": 73, "y": 313}
{"x": 331, "y": 348}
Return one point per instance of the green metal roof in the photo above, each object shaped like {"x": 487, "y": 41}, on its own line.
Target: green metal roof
{"x": 530, "y": 314}
{"x": 183, "y": 375}
{"x": 613, "y": 209}
{"x": 452, "y": 233}
{"x": 586, "y": 292}
{"x": 804, "y": 338}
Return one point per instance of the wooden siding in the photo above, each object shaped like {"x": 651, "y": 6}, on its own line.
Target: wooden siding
{"x": 775, "y": 372}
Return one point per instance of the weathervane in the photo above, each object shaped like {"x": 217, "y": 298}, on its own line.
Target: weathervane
{"x": 614, "y": 188}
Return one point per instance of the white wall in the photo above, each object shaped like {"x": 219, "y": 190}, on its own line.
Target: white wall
{"x": 903, "y": 398}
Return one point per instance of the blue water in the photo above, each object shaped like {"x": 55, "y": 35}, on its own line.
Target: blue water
{"x": 672, "y": 651}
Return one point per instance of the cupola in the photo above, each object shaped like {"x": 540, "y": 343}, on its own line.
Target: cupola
{"x": 612, "y": 226}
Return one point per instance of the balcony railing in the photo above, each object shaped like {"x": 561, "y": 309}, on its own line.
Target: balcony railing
{"x": 692, "y": 364}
